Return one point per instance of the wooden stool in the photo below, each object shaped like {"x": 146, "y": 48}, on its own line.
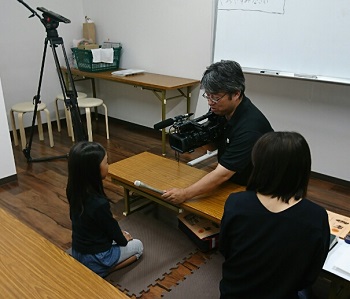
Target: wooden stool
{"x": 89, "y": 103}
{"x": 21, "y": 109}
{"x": 60, "y": 97}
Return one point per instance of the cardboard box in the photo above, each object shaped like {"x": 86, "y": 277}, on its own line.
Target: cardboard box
{"x": 203, "y": 232}
{"x": 89, "y": 32}
{"x": 88, "y": 46}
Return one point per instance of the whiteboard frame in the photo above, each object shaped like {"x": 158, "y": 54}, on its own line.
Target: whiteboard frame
{"x": 276, "y": 73}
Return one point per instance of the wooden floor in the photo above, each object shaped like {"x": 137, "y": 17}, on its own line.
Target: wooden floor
{"x": 38, "y": 197}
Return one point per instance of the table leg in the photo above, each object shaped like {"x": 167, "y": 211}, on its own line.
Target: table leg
{"x": 126, "y": 202}
{"x": 163, "y": 99}
{"x": 338, "y": 291}
{"x": 188, "y": 97}
{"x": 339, "y": 287}
{"x": 93, "y": 87}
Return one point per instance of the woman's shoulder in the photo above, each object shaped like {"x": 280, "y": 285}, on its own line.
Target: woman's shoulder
{"x": 311, "y": 206}
{"x": 242, "y": 195}
{"x": 241, "y": 198}
{"x": 309, "y": 211}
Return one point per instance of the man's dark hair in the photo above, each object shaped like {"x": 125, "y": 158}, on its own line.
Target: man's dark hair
{"x": 281, "y": 165}
{"x": 224, "y": 76}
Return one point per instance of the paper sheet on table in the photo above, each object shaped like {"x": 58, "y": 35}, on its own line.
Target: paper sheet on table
{"x": 127, "y": 72}
{"x": 102, "y": 55}
{"x": 343, "y": 262}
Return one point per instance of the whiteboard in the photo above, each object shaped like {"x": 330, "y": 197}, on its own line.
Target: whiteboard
{"x": 301, "y": 37}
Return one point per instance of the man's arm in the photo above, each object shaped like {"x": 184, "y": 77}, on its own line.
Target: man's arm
{"x": 206, "y": 184}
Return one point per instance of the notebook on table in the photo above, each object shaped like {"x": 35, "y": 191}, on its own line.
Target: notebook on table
{"x": 127, "y": 72}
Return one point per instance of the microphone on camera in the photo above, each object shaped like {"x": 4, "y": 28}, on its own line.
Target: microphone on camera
{"x": 143, "y": 185}
{"x": 169, "y": 121}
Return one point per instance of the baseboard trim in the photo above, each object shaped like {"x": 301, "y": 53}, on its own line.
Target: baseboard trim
{"x": 330, "y": 179}
{"x": 8, "y": 179}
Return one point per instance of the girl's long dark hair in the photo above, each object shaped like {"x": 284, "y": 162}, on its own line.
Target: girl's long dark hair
{"x": 84, "y": 174}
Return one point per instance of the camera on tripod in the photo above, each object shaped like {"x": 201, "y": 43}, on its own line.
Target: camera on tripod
{"x": 185, "y": 134}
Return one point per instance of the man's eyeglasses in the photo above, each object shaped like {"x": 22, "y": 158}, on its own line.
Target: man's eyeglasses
{"x": 209, "y": 97}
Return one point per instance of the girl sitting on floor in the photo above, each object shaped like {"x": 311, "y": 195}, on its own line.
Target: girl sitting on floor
{"x": 97, "y": 240}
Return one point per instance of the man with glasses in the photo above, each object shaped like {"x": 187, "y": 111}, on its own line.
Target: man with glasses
{"x": 224, "y": 86}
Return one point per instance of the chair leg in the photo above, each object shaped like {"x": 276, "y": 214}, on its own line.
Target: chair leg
{"x": 49, "y": 127}
{"x": 69, "y": 122}
{"x": 22, "y": 132}
{"x": 106, "y": 118}
{"x": 13, "y": 125}
{"x": 70, "y": 125}
{"x": 88, "y": 123}
{"x": 57, "y": 116}
{"x": 40, "y": 126}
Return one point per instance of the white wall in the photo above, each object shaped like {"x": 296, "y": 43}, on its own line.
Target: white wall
{"x": 171, "y": 37}
{"x": 319, "y": 111}
{"x": 8, "y": 167}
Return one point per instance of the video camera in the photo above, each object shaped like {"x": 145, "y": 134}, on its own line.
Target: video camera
{"x": 187, "y": 135}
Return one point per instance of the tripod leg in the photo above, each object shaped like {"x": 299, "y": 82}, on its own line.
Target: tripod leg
{"x": 71, "y": 99}
{"x": 36, "y": 101}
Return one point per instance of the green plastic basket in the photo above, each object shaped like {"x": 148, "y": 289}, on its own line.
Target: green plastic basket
{"x": 84, "y": 61}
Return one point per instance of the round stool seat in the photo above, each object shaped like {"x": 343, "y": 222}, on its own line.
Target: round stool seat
{"x": 81, "y": 95}
{"x": 21, "y": 109}
{"x": 27, "y": 107}
{"x": 89, "y": 102}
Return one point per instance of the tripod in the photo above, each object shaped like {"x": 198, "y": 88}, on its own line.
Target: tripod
{"x": 51, "y": 21}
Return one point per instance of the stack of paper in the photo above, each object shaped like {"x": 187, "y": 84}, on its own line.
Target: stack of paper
{"x": 342, "y": 262}
{"x": 127, "y": 72}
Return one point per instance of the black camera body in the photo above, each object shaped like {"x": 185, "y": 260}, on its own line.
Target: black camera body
{"x": 187, "y": 135}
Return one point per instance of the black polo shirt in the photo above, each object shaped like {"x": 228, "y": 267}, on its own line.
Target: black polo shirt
{"x": 236, "y": 142}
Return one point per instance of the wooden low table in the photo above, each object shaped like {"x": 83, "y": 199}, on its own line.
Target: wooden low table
{"x": 157, "y": 83}
{"x": 162, "y": 173}
{"x": 32, "y": 267}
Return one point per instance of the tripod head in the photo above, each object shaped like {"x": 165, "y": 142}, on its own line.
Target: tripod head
{"x": 52, "y": 15}
{"x": 50, "y": 19}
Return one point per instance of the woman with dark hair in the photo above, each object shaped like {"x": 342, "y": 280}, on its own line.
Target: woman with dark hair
{"x": 274, "y": 240}
{"x": 97, "y": 240}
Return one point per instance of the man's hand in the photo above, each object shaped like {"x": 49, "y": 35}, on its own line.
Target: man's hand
{"x": 206, "y": 184}
{"x": 175, "y": 196}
